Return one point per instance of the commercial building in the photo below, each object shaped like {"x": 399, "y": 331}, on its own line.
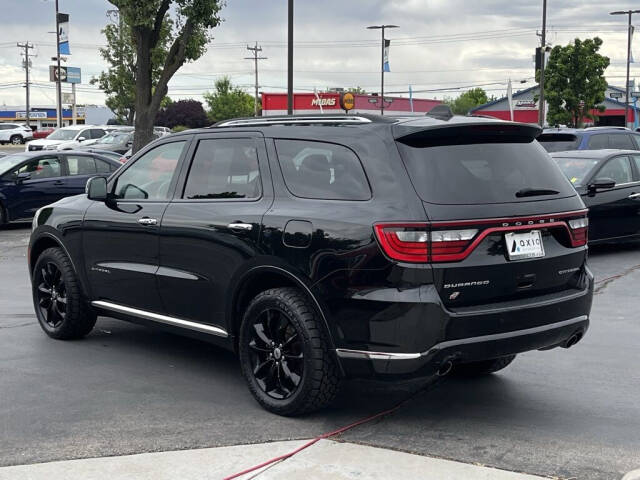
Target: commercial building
{"x": 45, "y": 116}
{"x": 329, "y": 102}
{"x": 525, "y": 108}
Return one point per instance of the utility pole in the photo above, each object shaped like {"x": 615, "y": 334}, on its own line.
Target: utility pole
{"x": 381, "y": 28}
{"x": 255, "y": 59}
{"x": 290, "y": 59}
{"x": 27, "y": 65}
{"x": 58, "y": 82}
{"x": 626, "y": 88}
{"x": 543, "y": 45}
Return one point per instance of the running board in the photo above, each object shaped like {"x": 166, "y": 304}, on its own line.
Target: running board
{"x": 156, "y": 317}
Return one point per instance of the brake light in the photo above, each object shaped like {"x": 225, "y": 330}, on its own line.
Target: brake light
{"x": 579, "y": 230}
{"x": 416, "y": 243}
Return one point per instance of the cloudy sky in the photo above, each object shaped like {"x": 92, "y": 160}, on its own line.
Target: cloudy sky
{"x": 441, "y": 48}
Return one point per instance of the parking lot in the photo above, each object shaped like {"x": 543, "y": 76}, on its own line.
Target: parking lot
{"x": 128, "y": 389}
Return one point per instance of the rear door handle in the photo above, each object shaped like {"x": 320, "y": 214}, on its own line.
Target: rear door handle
{"x": 240, "y": 226}
{"x": 59, "y": 182}
{"x": 633, "y": 196}
{"x": 147, "y": 221}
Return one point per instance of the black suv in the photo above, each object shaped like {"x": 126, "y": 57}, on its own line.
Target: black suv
{"x": 327, "y": 247}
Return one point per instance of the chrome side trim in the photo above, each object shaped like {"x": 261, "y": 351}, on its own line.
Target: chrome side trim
{"x": 347, "y": 353}
{"x": 365, "y": 354}
{"x": 156, "y": 317}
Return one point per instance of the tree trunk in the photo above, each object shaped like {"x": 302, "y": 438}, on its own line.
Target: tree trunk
{"x": 143, "y": 116}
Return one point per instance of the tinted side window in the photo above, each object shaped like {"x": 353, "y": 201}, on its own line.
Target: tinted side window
{"x": 97, "y": 133}
{"x": 224, "y": 168}
{"x": 618, "y": 169}
{"x": 80, "y": 165}
{"x": 636, "y": 141}
{"x": 42, "y": 167}
{"x": 636, "y": 160}
{"x": 150, "y": 176}
{"x": 599, "y": 141}
{"x": 104, "y": 167}
{"x": 621, "y": 141}
{"x": 322, "y": 170}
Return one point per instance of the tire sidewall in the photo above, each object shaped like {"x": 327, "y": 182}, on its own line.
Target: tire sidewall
{"x": 13, "y": 137}
{"x": 260, "y": 304}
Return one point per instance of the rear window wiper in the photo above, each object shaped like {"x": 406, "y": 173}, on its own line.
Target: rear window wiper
{"x": 534, "y": 192}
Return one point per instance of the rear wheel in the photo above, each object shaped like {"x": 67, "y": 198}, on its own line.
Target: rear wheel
{"x": 60, "y": 307}
{"x": 3, "y": 215}
{"x": 484, "y": 367}
{"x": 285, "y": 355}
{"x": 16, "y": 139}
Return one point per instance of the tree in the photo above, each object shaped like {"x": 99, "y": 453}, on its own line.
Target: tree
{"x": 188, "y": 37}
{"x": 183, "y": 112}
{"x": 227, "y": 101}
{"x": 467, "y": 100}
{"x": 574, "y": 82}
{"x": 119, "y": 81}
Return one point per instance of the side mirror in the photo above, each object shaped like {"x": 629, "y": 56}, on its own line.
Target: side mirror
{"x": 81, "y": 139}
{"x": 603, "y": 183}
{"x": 96, "y": 189}
{"x": 129, "y": 144}
{"x": 21, "y": 177}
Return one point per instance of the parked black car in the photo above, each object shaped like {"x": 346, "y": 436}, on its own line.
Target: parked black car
{"x": 31, "y": 180}
{"x": 609, "y": 183}
{"x": 328, "y": 246}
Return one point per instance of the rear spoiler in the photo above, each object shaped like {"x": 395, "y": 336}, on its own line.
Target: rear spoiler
{"x": 465, "y": 133}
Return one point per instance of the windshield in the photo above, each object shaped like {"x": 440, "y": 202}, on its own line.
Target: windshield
{"x": 576, "y": 169}
{"x": 11, "y": 160}
{"x": 63, "y": 134}
{"x": 113, "y": 138}
{"x": 483, "y": 172}
{"x": 559, "y": 142}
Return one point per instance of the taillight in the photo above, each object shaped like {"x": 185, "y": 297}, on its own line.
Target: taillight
{"x": 404, "y": 242}
{"x": 416, "y": 243}
{"x": 579, "y": 228}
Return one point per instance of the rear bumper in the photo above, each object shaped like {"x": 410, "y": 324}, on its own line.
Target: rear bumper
{"x": 469, "y": 335}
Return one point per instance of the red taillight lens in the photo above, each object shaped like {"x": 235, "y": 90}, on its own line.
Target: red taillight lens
{"x": 579, "y": 228}
{"x": 404, "y": 242}
{"x": 415, "y": 243}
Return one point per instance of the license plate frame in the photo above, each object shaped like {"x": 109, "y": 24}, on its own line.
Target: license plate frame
{"x": 524, "y": 245}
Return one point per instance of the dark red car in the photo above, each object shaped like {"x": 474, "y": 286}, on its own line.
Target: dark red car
{"x": 43, "y": 132}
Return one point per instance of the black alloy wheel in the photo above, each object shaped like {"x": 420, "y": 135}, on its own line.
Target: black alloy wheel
{"x": 52, "y": 294}
{"x": 276, "y": 354}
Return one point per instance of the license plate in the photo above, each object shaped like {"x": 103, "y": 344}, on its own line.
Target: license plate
{"x": 524, "y": 245}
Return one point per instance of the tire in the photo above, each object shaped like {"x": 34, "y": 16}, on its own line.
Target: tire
{"x": 3, "y": 215}
{"x": 16, "y": 140}
{"x": 287, "y": 317}
{"x": 62, "y": 311}
{"x": 484, "y": 367}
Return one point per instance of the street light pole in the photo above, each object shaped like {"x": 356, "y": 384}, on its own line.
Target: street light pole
{"x": 543, "y": 41}
{"x": 290, "y": 59}
{"x": 626, "y": 89}
{"x": 381, "y": 28}
{"x": 58, "y": 82}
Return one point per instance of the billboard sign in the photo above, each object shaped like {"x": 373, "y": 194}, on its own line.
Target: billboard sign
{"x": 66, "y": 74}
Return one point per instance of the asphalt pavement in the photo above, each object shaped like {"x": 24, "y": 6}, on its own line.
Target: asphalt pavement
{"x": 128, "y": 389}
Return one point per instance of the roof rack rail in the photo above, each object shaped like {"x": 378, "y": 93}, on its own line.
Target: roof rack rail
{"x": 303, "y": 120}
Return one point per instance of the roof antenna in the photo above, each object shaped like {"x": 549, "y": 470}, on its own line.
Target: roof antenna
{"x": 441, "y": 112}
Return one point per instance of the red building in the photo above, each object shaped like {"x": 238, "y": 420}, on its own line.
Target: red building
{"x": 306, "y": 103}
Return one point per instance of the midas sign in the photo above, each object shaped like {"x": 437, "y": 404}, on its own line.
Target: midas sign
{"x": 325, "y": 102}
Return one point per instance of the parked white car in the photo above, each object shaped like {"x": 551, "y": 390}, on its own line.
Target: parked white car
{"x": 67, "y": 138}
{"x": 14, "y": 133}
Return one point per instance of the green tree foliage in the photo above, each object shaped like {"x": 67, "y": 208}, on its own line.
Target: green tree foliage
{"x": 574, "y": 82}
{"x": 190, "y": 23}
{"x": 467, "y": 100}
{"x": 119, "y": 80}
{"x": 227, "y": 101}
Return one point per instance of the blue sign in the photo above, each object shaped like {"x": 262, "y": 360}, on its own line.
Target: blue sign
{"x": 73, "y": 75}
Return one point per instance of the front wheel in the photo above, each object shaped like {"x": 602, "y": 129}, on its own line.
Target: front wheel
{"x": 62, "y": 311}
{"x": 484, "y": 367}
{"x": 285, "y": 355}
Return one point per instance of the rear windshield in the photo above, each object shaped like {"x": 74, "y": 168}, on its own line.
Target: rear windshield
{"x": 559, "y": 142}
{"x": 483, "y": 172}
{"x": 576, "y": 169}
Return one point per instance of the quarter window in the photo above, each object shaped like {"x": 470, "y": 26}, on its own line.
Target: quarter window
{"x": 621, "y": 141}
{"x": 599, "y": 141}
{"x": 636, "y": 160}
{"x": 224, "y": 168}
{"x": 618, "y": 169}
{"x": 322, "y": 170}
{"x": 150, "y": 175}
